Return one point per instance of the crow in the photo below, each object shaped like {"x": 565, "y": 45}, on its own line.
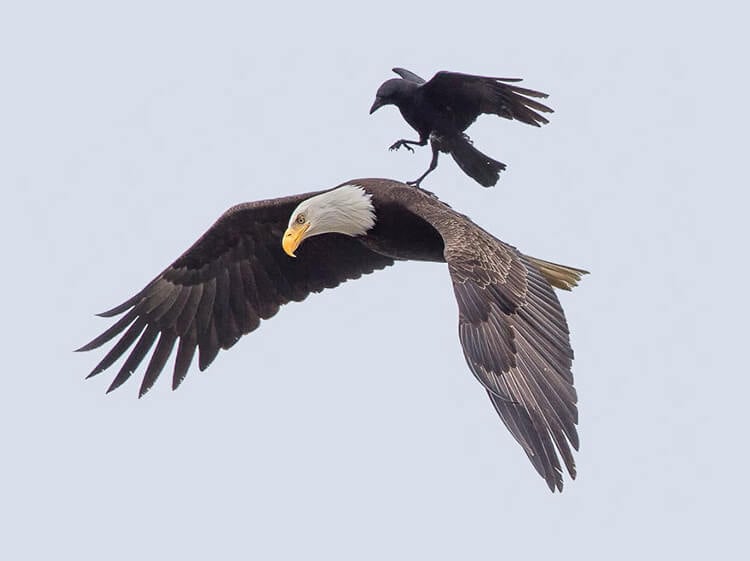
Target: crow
{"x": 441, "y": 109}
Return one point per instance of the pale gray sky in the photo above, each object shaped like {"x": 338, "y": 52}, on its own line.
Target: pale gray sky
{"x": 349, "y": 426}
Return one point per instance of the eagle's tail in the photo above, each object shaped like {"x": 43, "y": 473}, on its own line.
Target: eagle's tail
{"x": 483, "y": 169}
{"x": 559, "y": 276}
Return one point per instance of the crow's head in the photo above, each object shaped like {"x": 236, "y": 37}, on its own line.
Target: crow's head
{"x": 392, "y": 92}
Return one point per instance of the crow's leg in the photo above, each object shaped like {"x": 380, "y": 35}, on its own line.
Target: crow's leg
{"x": 405, "y": 143}
{"x": 433, "y": 165}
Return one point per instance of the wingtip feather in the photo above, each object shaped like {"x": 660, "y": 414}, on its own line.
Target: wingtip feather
{"x": 117, "y": 310}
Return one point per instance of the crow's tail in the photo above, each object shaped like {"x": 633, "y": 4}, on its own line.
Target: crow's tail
{"x": 483, "y": 169}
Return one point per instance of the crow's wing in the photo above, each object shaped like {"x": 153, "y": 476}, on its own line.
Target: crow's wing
{"x": 466, "y": 97}
{"x": 409, "y": 75}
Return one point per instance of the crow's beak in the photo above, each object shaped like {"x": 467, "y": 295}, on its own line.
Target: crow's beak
{"x": 377, "y": 104}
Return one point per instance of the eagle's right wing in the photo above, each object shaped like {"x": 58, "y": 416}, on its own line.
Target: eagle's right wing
{"x": 235, "y": 275}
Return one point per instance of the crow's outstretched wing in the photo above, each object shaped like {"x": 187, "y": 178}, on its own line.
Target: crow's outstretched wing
{"x": 466, "y": 97}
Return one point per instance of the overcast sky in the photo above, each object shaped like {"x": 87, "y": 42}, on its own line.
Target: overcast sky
{"x": 349, "y": 426}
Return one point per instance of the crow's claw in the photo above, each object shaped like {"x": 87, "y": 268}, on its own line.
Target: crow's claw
{"x": 398, "y": 144}
{"x": 416, "y": 184}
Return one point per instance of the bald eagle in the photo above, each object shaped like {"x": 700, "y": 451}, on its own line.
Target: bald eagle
{"x": 261, "y": 255}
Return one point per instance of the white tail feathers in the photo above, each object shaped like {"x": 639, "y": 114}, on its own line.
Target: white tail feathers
{"x": 558, "y": 276}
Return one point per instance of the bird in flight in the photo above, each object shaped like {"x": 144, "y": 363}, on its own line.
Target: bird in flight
{"x": 261, "y": 255}
{"x": 441, "y": 109}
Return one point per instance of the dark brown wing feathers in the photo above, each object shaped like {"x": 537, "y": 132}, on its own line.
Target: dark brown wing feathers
{"x": 515, "y": 340}
{"x": 232, "y": 277}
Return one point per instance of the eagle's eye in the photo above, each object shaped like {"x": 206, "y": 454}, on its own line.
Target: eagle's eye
{"x": 300, "y": 219}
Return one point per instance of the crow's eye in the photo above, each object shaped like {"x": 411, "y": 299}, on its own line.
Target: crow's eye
{"x": 300, "y": 219}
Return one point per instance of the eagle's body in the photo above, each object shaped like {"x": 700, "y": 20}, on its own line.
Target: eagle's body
{"x": 442, "y": 108}
{"x": 511, "y": 325}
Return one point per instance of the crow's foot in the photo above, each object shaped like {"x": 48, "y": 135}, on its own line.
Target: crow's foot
{"x": 399, "y": 143}
{"x": 416, "y": 185}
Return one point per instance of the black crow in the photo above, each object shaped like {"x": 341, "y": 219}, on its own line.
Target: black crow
{"x": 443, "y": 108}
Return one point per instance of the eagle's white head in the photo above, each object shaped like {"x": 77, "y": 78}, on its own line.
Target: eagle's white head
{"x": 345, "y": 210}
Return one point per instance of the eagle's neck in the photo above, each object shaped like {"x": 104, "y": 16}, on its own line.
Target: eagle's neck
{"x": 345, "y": 210}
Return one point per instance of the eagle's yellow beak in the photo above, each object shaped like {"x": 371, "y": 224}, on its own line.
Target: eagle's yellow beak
{"x": 294, "y": 236}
